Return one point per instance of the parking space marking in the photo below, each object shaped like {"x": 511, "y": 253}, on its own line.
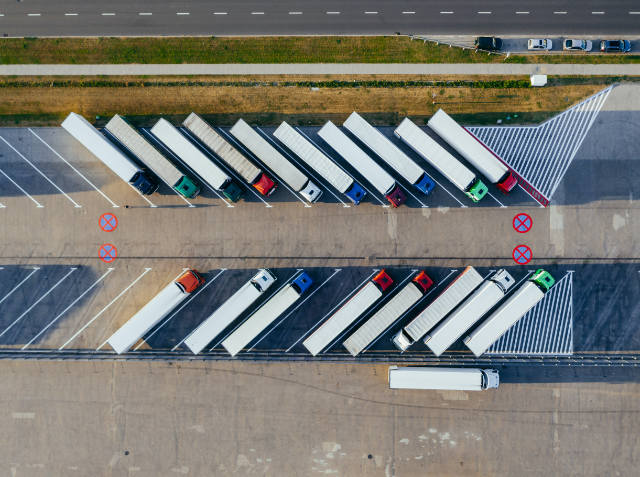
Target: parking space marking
{"x": 76, "y": 170}
{"x": 2, "y": 207}
{"x": 23, "y": 191}
{"x": 502, "y": 206}
{"x": 38, "y": 301}
{"x": 67, "y": 308}
{"x": 146, "y": 270}
{"x": 20, "y": 284}
{"x": 29, "y": 162}
{"x": 141, "y": 195}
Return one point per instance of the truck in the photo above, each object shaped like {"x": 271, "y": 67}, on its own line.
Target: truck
{"x": 370, "y": 170}
{"x": 154, "y": 311}
{"x": 328, "y": 169}
{"x": 443, "y": 379}
{"x": 447, "y": 300}
{"x": 522, "y": 300}
{"x": 472, "y": 309}
{"x": 389, "y": 153}
{"x": 151, "y": 157}
{"x": 196, "y": 160}
{"x": 348, "y": 313}
{"x": 114, "y": 159}
{"x": 469, "y": 147}
{"x": 228, "y": 154}
{"x": 450, "y": 167}
{"x": 267, "y": 314}
{"x": 231, "y": 309}
{"x": 388, "y": 314}
{"x": 275, "y": 161}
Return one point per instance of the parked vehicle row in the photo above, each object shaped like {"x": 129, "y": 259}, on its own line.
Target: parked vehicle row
{"x": 491, "y": 43}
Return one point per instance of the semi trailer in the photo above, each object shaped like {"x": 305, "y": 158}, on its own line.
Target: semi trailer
{"x": 443, "y": 379}
{"x": 438, "y": 157}
{"x": 446, "y": 301}
{"x": 466, "y": 315}
{"x": 389, "y": 153}
{"x": 228, "y": 154}
{"x": 114, "y": 159}
{"x": 370, "y": 170}
{"x": 229, "y": 311}
{"x": 522, "y": 300}
{"x": 196, "y": 160}
{"x": 388, "y": 314}
{"x": 154, "y": 311}
{"x": 348, "y": 313}
{"x": 151, "y": 157}
{"x": 324, "y": 166}
{"x": 275, "y": 161}
{"x": 478, "y": 155}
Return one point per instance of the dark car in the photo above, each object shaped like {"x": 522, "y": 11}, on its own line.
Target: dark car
{"x": 620, "y": 46}
{"x": 488, "y": 43}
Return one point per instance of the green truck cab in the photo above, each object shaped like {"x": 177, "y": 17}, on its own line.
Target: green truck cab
{"x": 187, "y": 187}
{"x": 543, "y": 279}
{"x": 233, "y": 192}
{"x": 477, "y": 191}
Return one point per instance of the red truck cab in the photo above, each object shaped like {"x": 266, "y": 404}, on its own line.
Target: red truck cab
{"x": 383, "y": 280}
{"x": 423, "y": 281}
{"x": 189, "y": 281}
{"x": 396, "y": 198}
{"x": 507, "y": 183}
{"x": 265, "y": 185}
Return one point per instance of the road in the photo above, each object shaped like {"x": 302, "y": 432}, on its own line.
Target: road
{"x": 375, "y": 17}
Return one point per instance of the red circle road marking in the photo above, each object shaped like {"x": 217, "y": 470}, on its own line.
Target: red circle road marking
{"x": 522, "y": 254}
{"x": 522, "y": 223}
{"x": 108, "y": 222}
{"x": 108, "y": 253}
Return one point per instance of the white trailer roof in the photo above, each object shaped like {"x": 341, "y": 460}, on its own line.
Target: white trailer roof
{"x": 100, "y": 146}
{"x": 446, "y": 301}
{"x": 355, "y": 156}
{"x": 222, "y": 148}
{"x": 467, "y": 145}
{"x": 267, "y": 154}
{"x": 434, "y": 154}
{"x": 141, "y": 148}
{"x": 190, "y": 154}
{"x": 148, "y": 317}
{"x": 465, "y": 316}
{"x": 341, "y": 319}
{"x": 384, "y": 148}
{"x": 221, "y": 318}
{"x": 384, "y": 318}
{"x": 445, "y": 379}
{"x": 262, "y": 318}
{"x": 312, "y": 156}
{"x": 491, "y": 329}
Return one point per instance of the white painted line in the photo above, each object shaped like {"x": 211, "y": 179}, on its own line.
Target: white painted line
{"x": 108, "y": 14}
{"x": 484, "y": 13}
{"x": 257, "y": 13}
{"x": 145, "y": 14}
{"x": 424, "y": 206}
{"x": 185, "y": 14}
{"x": 502, "y": 206}
{"x": 408, "y": 13}
{"x": 634, "y": 13}
{"x": 38, "y": 301}
{"x": 333, "y": 13}
{"x": 20, "y": 284}
{"x": 462, "y": 206}
{"x": 33, "y": 14}
{"x": 16, "y": 151}
{"x": 2, "y": 207}
{"x": 220, "y": 13}
{"x": 295, "y": 13}
{"x": 370, "y": 13}
{"x": 67, "y": 308}
{"x": 146, "y": 270}
{"x": 76, "y": 170}
{"x": 446, "y": 13}
{"x": 522, "y": 13}
{"x": 597, "y": 13}
{"x": 70, "y": 14}
{"x": 141, "y": 195}
{"x": 23, "y": 191}
{"x": 560, "y": 13}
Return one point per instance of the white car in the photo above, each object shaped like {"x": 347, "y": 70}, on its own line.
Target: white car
{"x": 540, "y": 44}
{"x": 577, "y": 45}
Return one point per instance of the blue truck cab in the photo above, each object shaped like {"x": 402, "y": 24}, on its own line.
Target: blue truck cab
{"x": 355, "y": 193}
{"x": 144, "y": 184}
{"x": 425, "y": 184}
{"x": 302, "y": 283}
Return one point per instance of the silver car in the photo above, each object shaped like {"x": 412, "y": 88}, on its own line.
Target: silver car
{"x": 540, "y": 44}
{"x": 577, "y": 45}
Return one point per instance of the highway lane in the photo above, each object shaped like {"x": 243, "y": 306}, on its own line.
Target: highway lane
{"x": 318, "y": 17}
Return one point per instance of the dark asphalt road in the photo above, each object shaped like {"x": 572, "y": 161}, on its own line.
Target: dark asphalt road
{"x": 318, "y": 17}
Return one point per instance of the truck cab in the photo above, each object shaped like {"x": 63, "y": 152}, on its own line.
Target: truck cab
{"x": 476, "y": 191}
{"x": 233, "y": 192}
{"x": 490, "y": 379}
{"x": 382, "y": 280}
{"x": 265, "y": 185}
{"x": 144, "y": 184}
{"x": 187, "y": 188}
{"x": 543, "y": 280}
{"x": 189, "y": 281}
{"x": 302, "y": 283}
{"x": 396, "y": 198}
{"x": 425, "y": 184}
{"x": 311, "y": 192}
{"x": 423, "y": 281}
{"x": 263, "y": 280}
{"x": 503, "y": 279}
{"x": 355, "y": 193}
{"x": 401, "y": 341}
{"x": 507, "y": 183}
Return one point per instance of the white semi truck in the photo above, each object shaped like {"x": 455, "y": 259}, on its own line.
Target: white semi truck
{"x": 348, "y": 313}
{"x": 370, "y": 170}
{"x": 328, "y": 169}
{"x": 522, "y": 300}
{"x": 438, "y": 157}
{"x": 225, "y": 151}
{"x": 103, "y": 149}
{"x": 275, "y": 161}
{"x": 466, "y": 315}
{"x": 154, "y": 311}
{"x": 446, "y": 301}
{"x": 389, "y": 153}
{"x": 151, "y": 157}
{"x": 473, "y": 151}
{"x": 267, "y": 314}
{"x": 196, "y": 160}
{"x": 388, "y": 314}
{"x": 229, "y": 311}
{"x": 443, "y": 379}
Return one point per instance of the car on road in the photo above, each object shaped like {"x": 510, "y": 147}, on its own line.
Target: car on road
{"x": 539, "y": 44}
{"x": 488, "y": 43}
{"x": 621, "y": 46}
{"x": 577, "y": 45}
